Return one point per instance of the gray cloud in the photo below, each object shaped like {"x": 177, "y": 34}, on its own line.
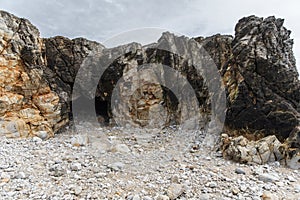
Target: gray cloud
{"x": 101, "y": 19}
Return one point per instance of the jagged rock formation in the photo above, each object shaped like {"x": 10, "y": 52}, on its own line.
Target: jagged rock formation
{"x": 256, "y": 66}
{"x": 264, "y": 94}
{"x": 262, "y": 83}
{"x": 28, "y": 105}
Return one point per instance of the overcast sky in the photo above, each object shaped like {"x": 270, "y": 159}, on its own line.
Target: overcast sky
{"x": 101, "y": 19}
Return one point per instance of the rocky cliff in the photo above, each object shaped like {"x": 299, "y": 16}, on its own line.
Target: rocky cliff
{"x": 251, "y": 77}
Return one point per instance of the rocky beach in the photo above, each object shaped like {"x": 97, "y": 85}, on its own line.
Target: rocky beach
{"x": 183, "y": 118}
{"x": 134, "y": 165}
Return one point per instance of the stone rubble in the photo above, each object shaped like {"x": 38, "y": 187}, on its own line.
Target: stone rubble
{"x": 58, "y": 169}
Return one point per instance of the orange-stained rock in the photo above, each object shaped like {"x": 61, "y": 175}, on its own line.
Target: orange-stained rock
{"x": 28, "y": 106}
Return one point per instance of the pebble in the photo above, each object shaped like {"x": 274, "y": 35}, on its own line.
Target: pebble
{"x": 175, "y": 179}
{"x": 37, "y": 139}
{"x": 175, "y": 190}
{"x": 162, "y": 197}
{"x": 291, "y": 179}
{"x": 136, "y": 197}
{"x": 117, "y": 166}
{"x": 212, "y": 184}
{"x": 80, "y": 140}
{"x": 205, "y": 197}
{"x": 235, "y": 191}
{"x": 243, "y": 188}
{"x": 268, "y": 177}
{"x": 297, "y": 188}
{"x": 239, "y": 171}
{"x": 77, "y": 190}
{"x": 42, "y": 134}
{"x": 120, "y": 148}
{"x": 75, "y": 166}
{"x": 20, "y": 175}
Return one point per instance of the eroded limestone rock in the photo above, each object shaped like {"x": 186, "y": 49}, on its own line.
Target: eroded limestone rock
{"x": 29, "y": 107}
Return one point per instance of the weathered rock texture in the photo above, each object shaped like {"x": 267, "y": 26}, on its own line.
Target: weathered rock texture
{"x": 261, "y": 78}
{"x": 28, "y": 105}
{"x": 262, "y": 84}
{"x": 256, "y": 68}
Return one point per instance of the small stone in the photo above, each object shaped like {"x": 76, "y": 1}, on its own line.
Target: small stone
{"x": 57, "y": 170}
{"x": 42, "y": 134}
{"x": 120, "y": 148}
{"x": 175, "y": 179}
{"x": 291, "y": 179}
{"x": 204, "y": 197}
{"x": 117, "y": 166}
{"x": 267, "y": 187}
{"x": 162, "y": 197}
{"x": 5, "y": 176}
{"x": 239, "y": 171}
{"x": 77, "y": 190}
{"x": 208, "y": 158}
{"x": 235, "y": 191}
{"x": 212, "y": 185}
{"x": 75, "y": 166}
{"x": 129, "y": 197}
{"x": 258, "y": 171}
{"x": 293, "y": 162}
{"x": 297, "y": 188}
{"x": 280, "y": 184}
{"x": 175, "y": 190}
{"x": 243, "y": 188}
{"x": 5, "y": 180}
{"x": 20, "y": 175}
{"x": 268, "y": 177}
{"x": 80, "y": 140}
{"x": 37, "y": 139}
{"x": 268, "y": 196}
{"x": 136, "y": 197}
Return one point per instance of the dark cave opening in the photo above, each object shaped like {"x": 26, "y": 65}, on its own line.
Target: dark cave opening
{"x": 88, "y": 107}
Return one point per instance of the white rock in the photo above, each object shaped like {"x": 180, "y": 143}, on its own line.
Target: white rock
{"x": 80, "y": 140}
{"x": 268, "y": 177}
{"x": 75, "y": 166}
{"x": 117, "y": 166}
{"x": 162, "y": 197}
{"x": 37, "y": 139}
{"x": 77, "y": 190}
{"x": 42, "y": 134}
{"x": 136, "y": 197}
{"x": 120, "y": 148}
{"x": 20, "y": 175}
{"x": 297, "y": 188}
{"x": 175, "y": 190}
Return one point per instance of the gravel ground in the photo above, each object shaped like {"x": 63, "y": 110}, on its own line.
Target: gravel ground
{"x": 136, "y": 164}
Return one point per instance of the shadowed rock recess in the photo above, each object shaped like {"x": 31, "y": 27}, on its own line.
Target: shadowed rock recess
{"x": 257, "y": 69}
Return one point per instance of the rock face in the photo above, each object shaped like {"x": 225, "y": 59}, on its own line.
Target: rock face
{"x": 36, "y": 79}
{"x": 168, "y": 82}
{"x": 261, "y": 78}
{"x": 28, "y": 105}
{"x": 263, "y": 87}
